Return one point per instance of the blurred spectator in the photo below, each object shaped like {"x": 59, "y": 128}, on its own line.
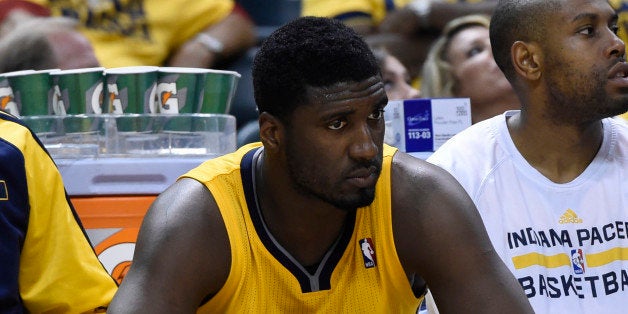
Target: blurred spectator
{"x": 409, "y": 32}
{"x": 234, "y": 35}
{"x": 13, "y": 12}
{"x": 461, "y": 64}
{"x": 394, "y": 75}
{"x": 364, "y": 16}
{"x": 45, "y": 43}
{"x": 406, "y": 28}
{"x": 193, "y": 33}
{"x": 428, "y": 15}
{"x": 47, "y": 264}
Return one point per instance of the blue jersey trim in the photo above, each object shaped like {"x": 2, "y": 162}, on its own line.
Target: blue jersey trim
{"x": 16, "y": 120}
{"x": 14, "y": 214}
{"x": 325, "y": 269}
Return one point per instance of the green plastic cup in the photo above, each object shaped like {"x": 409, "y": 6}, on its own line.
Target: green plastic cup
{"x": 7, "y": 97}
{"x": 32, "y": 91}
{"x": 180, "y": 89}
{"x": 218, "y": 91}
{"x": 132, "y": 89}
{"x": 78, "y": 91}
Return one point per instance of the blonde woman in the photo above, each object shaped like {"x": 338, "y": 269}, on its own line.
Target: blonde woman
{"x": 460, "y": 64}
{"x": 396, "y": 78}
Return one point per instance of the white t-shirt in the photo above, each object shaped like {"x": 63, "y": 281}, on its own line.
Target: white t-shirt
{"x": 567, "y": 244}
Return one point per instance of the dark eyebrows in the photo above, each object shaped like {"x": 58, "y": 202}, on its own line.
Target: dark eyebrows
{"x": 592, "y": 16}
{"x": 335, "y": 114}
{"x": 585, "y": 16}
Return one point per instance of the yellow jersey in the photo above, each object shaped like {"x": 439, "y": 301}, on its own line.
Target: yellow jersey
{"x": 361, "y": 273}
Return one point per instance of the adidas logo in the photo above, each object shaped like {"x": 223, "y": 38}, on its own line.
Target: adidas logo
{"x": 570, "y": 217}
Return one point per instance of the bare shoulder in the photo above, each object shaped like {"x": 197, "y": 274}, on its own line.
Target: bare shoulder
{"x": 427, "y": 200}
{"x": 186, "y": 211}
{"x": 440, "y": 237}
{"x": 182, "y": 253}
{"x": 414, "y": 179}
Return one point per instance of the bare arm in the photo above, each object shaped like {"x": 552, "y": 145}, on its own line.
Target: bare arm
{"x": 182, "y": 254}
{"x": 236, "y": 33}
{"x": 440, "y": 236}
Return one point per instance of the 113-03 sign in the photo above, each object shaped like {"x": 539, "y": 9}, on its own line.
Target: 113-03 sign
{"x": 420, "y": 134}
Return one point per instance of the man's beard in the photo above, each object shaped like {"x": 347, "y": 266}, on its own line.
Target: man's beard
{"x": 585, "y": 102}
{"x": 312, "y": 184}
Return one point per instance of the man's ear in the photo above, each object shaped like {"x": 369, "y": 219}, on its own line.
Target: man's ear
{"x": 270, "y": 130}
{"x": 527, "y": 60}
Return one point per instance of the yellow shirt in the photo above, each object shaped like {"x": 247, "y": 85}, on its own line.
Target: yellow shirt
{"x": 46, "y": 261}
{"x": 369, "y": 11}
{"x": 141, "y": 32}
{"x": 352, "y": 11}
{"x": 361, "y": 274}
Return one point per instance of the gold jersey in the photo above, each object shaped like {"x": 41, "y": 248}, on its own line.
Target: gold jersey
{"x": 361, "y": 273}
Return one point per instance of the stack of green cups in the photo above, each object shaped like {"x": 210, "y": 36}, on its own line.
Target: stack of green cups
{"x": 131, "y": 89}
{"x": 218, "y": 91}
{"x": 195, "y": 90}
{"x": 78, "y": 91}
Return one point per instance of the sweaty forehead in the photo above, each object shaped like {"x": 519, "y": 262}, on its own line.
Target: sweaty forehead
{"x": 346, "y": 91}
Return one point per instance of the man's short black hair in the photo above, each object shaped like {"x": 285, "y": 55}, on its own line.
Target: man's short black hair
{"x": 307, "y": 52}
{"x": 518, "y": 20}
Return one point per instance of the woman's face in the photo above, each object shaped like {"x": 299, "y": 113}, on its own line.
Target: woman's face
{"x": 474, "y": 69}
{"x": 397, "y": 80}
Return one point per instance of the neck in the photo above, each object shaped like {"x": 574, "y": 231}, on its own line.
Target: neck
{"x": 560, "y": 152}
{"x": 484, "y": 110}
{"x": 305, "y": 227}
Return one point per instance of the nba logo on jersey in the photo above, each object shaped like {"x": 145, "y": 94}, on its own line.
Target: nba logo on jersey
{"x": 368, "y": 252}
{"x": 577, "y": 260}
